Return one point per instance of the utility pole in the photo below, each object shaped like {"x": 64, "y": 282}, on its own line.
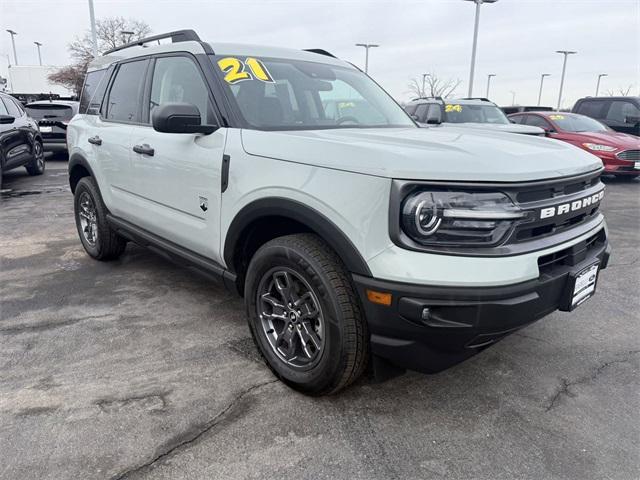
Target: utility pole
{"x": 489, "y": 82}
{"x": 94, "y": 38}
{"x": 13, "y": 43}
{"x": 38, "y": 44}
{"x": 598, "y": 84}
{"x": 475, "y": 41}
{"x": 366, "y": 46}
{"x": 513, "y": 97}
{"x": 566, "y": 53}
{"x": 542, "y": 83}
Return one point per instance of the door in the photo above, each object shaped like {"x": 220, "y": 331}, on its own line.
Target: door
{"x": 17, "y": 137}
{"x": 178, "y": 176}
{"x": 111, "y": 139}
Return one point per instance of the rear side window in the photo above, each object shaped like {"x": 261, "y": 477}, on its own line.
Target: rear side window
{"x": 421, "y": 111}
{"x": 91, "y": 84}
{"x": 536, "y": 121}
{"x": 591, "y": 109}
{"x": 59, "y": 113}
{"x": 3, "y": 109}
{"x": 11, "y": 107}
{"x": 410, "y": 109}
{"x": 124, "y": 104}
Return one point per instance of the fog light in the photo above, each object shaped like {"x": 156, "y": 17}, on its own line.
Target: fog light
{"x": 426, "y": 314}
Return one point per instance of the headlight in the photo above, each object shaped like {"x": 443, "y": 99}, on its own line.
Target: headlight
{"x": 450, "y": 218}
{"x": 596, "y": 147}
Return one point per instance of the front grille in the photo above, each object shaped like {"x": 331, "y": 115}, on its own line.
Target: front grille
{"x": 572, "y": 255}
{"x": 633, "y": 155}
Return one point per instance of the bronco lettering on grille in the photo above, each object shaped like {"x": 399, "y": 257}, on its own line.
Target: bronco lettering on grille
{"x": 571, "y": 206}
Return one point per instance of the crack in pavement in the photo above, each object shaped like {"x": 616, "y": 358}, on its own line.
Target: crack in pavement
{"x": 565, "y": 386}
{"x": 204, "y": 429}
{"x": 108, "y": 405}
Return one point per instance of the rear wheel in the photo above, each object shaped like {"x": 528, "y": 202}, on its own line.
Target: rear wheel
{"x": 304, "y": 315}
{"x": 36, "y": 166}
{"x": 98, "y": 239}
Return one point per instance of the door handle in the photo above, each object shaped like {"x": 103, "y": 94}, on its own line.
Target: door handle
{"x": 96, "y": 140}
{"x": 144, "y": 149}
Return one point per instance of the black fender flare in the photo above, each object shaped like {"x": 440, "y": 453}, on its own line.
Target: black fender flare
{"x": 301, "y": 213}
{"x": 78, "y": 160}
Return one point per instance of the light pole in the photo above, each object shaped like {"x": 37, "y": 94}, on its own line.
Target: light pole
{"x": 38, "y": 44}
{"x": 475, "y": 41}
{"x": 598, "y": 84}
{"x": 366, "y": 46}
{"x": 13, "y": 43}
{"x": 566, "y": 53}
{"x": 542, "y": 83}
{"x": 94, "y": 38}
{"x": 489, "y": 82}
{"x": 513, "y": 97}
{"x": 424, "y": 77}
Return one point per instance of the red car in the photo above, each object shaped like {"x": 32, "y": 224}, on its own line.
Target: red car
{"x": 619, "y": 152}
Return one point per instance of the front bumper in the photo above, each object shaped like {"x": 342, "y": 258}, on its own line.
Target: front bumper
{"x": 54, "y": 144}
{"x": 462, "y": 321}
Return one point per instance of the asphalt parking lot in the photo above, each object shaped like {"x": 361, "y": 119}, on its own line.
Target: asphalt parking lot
{"x": 139, "y": 369}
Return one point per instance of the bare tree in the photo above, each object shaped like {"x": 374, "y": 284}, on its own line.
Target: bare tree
{"x": 622, "y": 92}
{"x": 434, "y": 86}
{"x": 109, "y": 32}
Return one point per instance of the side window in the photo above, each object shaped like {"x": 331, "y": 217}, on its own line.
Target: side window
{"x": 536, "y": 121}
{"x": 124, "y": 97}
{"x": 516, "y": 118}
{"x": 178, "y": 79}
{"x": 421, "y": 112}
{"x": 620, "y": 110}
{"x": 92, "y": 81}
{"x": 3, "y": 109}
{"x": 591, "y": 109}
{"x": 11, "y": 107}
{"x": 410, "y": 109}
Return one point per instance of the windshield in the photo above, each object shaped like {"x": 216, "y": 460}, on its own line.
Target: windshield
{"x": 62, "y": 113}
{"x": 457, "y": 113}
{"x": 279, "y": 94}
{"x": 577, "y": 123}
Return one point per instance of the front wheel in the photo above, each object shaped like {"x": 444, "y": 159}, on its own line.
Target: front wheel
{"x": 304, "y": 315}
{"x": 36, "y": 166}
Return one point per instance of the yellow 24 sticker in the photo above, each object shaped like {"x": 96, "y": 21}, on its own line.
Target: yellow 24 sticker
{"x": 556, "y": 117}
{"x": 452, "y": 108}
{"x": 236, "y": 70}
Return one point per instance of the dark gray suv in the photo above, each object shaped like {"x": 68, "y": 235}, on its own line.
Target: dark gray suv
{"x": 621, "y": 114}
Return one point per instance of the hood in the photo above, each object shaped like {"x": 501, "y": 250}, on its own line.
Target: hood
{"x": 615, "y": 139}
{"x": 436, "y": 153}
{"x": 502, "y": 127}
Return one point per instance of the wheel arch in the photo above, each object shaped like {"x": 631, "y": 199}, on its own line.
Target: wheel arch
{"x": 282, "y": 216}
{"x": 78, "y": 168}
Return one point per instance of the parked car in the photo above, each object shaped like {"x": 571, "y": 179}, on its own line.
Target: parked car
{"x": 20, "y": 139}
{"x": 524, "y": 108}
{"x": 477, "y": 113}
{"x": 622, "y": 114}
{"x": 619, "y": 152}
{"x": 53, "y": 116}
{"x": 352, "y": 239}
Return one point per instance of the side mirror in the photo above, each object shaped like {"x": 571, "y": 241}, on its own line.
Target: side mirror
{"x": 179, "y": 118}
{"x": 6, "y": 119}
{"x": 414, "y": 117}
{"x": 434, "y": 117}
{"x": 633, "y": 120}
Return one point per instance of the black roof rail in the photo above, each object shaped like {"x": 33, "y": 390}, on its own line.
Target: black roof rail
{"x": 477, "y": 98}
{"x": 177, "y": 36}
{"x": 440, "y": 99}
{"x": 320, "y": 51}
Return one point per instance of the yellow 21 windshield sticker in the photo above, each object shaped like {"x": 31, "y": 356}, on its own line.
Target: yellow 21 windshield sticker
{"x": 452, "y": 108}
{"x": 236, "y": 70}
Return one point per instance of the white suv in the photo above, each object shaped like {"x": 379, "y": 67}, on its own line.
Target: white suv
{"x": 354, "y": 237}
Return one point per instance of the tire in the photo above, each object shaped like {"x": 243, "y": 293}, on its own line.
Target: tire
{"x": 36, "y": 166}
{"x": 309, "y": 270}
{"x": 99, "y": 240}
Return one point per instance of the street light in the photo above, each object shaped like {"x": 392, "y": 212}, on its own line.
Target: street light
{"x": 94, "y": 39}
{"x": 475, "y": 41}
{"x": 566, "y": 53}
{"x": 366, "y": 46}
{"x": 38, "y": 44}
{"x": 13, "y": 43}
{"x": 126, "y": 32}
{"x": 598, "y": 84}
{"x": 513, "y": 97}
{"x": 424, "y": 77}
{"x": 541, "y": 83}
{"x": 489, "y": 82}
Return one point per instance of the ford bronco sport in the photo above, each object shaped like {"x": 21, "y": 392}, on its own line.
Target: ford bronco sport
{"x": 354, "y": 239}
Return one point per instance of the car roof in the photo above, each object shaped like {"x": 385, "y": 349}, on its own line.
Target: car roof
{"x": 457, "y": 101}
{"x": 195, "y": 47}
{"x": 620, "y": 97}
{"x": 67, "y": 103}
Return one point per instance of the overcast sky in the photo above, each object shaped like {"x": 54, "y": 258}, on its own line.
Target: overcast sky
{"x": 517, "y": 39}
